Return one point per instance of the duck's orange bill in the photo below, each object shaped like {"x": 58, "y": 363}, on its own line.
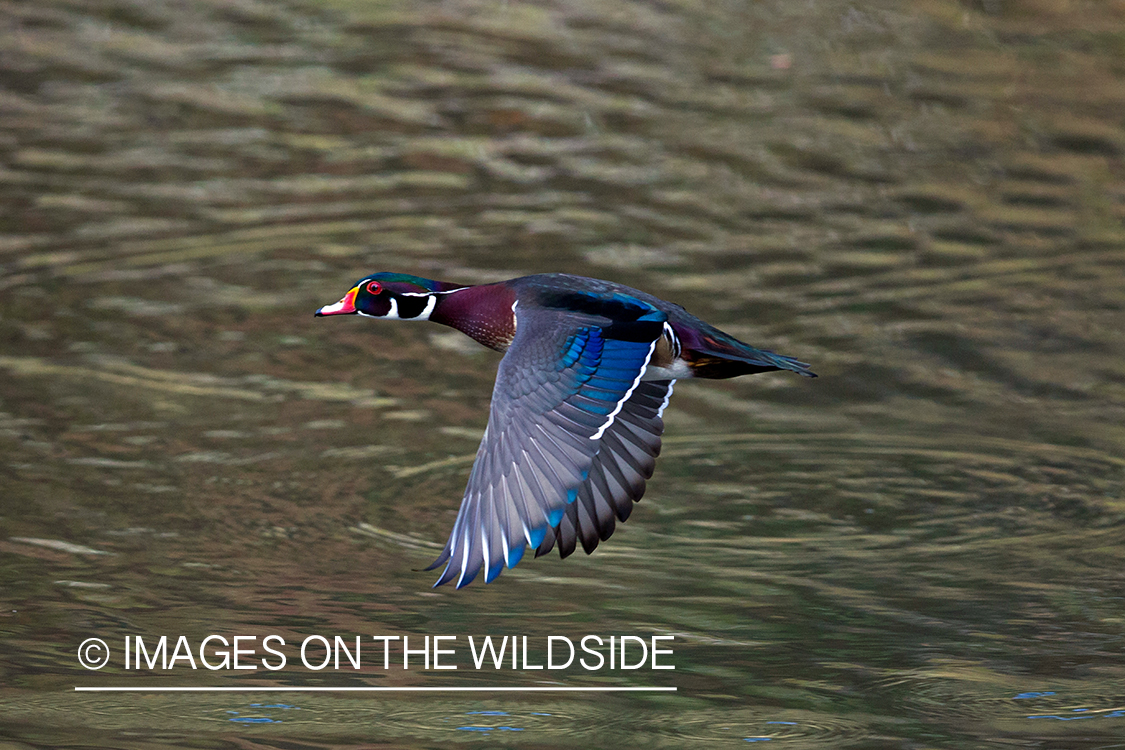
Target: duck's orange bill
{"x": 346, "y": 306}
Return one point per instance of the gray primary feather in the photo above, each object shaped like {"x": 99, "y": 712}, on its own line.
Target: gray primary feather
{"x": 550, "y": 417}
{"x": 625, "y": 460}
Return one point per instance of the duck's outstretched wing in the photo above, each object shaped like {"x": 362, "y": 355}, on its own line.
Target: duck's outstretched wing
{"x": 627, "y": 455}
{"x": 560, "y": 389}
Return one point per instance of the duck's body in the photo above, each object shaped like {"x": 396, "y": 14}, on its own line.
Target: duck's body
{"x": 575, "y": 422}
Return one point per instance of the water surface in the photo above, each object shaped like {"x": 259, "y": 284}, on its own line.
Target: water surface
{"x": 920, "y": 549}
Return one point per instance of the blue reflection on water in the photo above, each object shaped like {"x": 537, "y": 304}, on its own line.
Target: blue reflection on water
{"x": 239, "y": 719}
{"x": 1023, "y": 696}
{"x": 1115, "y": 714}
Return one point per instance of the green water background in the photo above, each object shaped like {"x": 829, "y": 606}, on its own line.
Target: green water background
{"x": 920, "y": 549}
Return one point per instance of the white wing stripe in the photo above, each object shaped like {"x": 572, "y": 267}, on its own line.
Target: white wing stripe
{"x": 667, "y": 398}
{"x": 637, "y": 381}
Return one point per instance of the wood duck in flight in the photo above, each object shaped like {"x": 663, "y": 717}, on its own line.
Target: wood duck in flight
{"x": 575, "y": 422}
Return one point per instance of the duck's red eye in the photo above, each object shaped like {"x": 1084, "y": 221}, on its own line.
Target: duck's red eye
{"x": 375, "y": 288}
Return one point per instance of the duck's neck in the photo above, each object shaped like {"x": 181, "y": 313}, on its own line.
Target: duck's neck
{"x": 483, "y": 313}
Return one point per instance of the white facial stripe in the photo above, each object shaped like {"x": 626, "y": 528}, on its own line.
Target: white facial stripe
{"x": 429, "y": 308}
{"x": 393, "y": 313}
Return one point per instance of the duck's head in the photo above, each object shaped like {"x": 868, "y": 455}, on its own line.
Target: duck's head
{"x": 396, "y": 296}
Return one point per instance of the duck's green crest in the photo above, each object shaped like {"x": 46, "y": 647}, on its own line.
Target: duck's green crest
{"x": 405, "y": 278}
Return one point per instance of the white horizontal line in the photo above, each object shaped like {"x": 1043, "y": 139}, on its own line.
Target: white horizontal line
{"x": 138, "y": 689}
